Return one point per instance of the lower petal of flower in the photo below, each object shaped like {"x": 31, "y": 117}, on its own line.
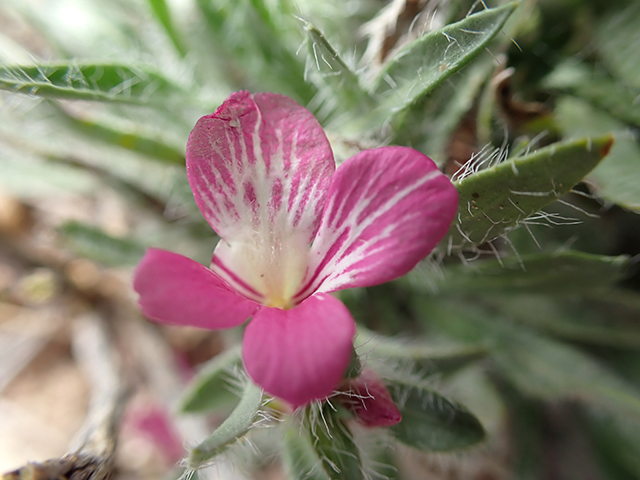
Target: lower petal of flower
{"x": 300, "y": 354}
{"x": 177, "y": 290}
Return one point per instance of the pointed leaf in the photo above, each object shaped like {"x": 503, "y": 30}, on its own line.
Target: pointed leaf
{"x": 615, "y": 179}
{"x": 430, "y": 422}
{"x": 77, "y": 81}
{"x": 497, "y": 199}
{"x": 233, "y": 428}
{"x": 211, "y": 388}
{"x": 340, "y": 81}
{"x": 333, "y": 444}
{"x": 555, "y": 273}
{"x": 426, "y": 62}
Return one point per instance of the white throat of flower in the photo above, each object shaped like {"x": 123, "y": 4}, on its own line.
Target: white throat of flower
{"x": 265, "y": 266}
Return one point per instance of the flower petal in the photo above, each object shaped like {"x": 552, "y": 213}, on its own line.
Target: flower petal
{"x": 177, "y": 290}
{"x": 260, "y": 170}
{"x": 387, "y": 209}
{"x": 300, "y": 354}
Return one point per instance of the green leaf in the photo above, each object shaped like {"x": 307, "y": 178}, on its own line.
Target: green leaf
{"x": 561, "y": 273}
{"x": 553, "y": 370}
{"x": 430, "y": 422}
{"x": 615, "y": 179}
{"x": 236, "y": 425}
{"x": 428, "y": 61}
{"x": 299, "y": 457}
{"x": 617, "y": 38}
{"x": 162, "y": 13}
{"x": 605, "y": 93}
{"x": 333, "y": 444}
{"x": 596, "y": 321}
{"x": 424, "y": 359}
{"x": 339, "y": 81}
{"x": 211, "y": 389}
{"x": 95, "y": 244}
{"x": 129, "y": 139}
{"x": 618, "y": 436}
{"x": 499, "y": 198}
{"x": 78, "y": 81}
{"x": 29, "y": 177}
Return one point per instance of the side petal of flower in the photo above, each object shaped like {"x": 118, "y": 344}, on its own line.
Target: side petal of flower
{"x": 260, "y": 169}
{"x": 300, "y": 354}
{"x": 387, "y": 209}
{"x": 177, "y": 290}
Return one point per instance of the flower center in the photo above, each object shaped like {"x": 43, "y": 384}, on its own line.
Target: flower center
{"x": 264, "y": 268}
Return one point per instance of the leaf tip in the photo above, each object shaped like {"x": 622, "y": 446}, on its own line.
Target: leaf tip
{"x": 604, "y": 151}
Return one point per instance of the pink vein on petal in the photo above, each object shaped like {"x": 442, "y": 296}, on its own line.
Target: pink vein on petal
{"x": 393, "y": 206}
{"x": 251, "y": 147}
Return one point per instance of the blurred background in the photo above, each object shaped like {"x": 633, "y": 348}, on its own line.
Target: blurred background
{"x": 536, "y": 331}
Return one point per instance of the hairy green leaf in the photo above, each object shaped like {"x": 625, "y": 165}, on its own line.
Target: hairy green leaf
{"x": 339, "y": 81}
{"x": 499, "y": 198}
{"x": 426, "y": 62}
{"x": 299, "y": 457}
{"x": 333, "y": 444}
{"x": 236, "y": 425}
{"x": 78, "y": 81}
{"x": 430, "y": 422}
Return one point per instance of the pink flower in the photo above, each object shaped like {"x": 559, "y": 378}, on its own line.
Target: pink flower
{"x": 292, "y": 229}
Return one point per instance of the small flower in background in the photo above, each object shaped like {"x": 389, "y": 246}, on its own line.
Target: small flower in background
{"x": 292, "y": 229}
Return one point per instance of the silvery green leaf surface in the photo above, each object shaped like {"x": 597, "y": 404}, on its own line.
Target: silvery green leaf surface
{"x": 499, "y": 198}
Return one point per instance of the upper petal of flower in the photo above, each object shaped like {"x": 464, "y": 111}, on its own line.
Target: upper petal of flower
{"x": 260, "y": 170}
{"x": 177, "y": 290}
{"x": 300, "y": 354}
{"x": 387, "y": 209}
